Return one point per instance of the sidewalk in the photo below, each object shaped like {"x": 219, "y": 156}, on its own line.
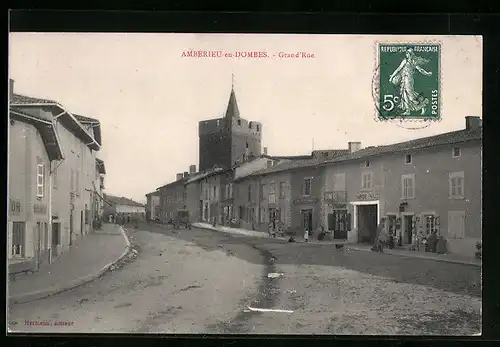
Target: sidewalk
{"x": 88, "y": 259}
{"x": 449, "y": 258}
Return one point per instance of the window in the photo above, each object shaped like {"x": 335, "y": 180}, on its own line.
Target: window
{"x": 247, "y": 145}
{"x": 366, "y": 182}
{"x": 456, "y": 152}
{"x": 261, "y": 192}
{"x": 429, "y": 224}
{"x": 218, "y": 122}
{"x": 271, "y": 188}
{"x": 249, "y": 192}
{"x": 307, "y": 186}
{"x": 239, "y": 121}
{"x": 72, "y": 182}
{"x": 258, "y": 127}
{"x": 54, "y": 178}
{"x": 457, "y": 185}
{"x": 230, "y": 190}
{"x": 408, "y": 159}
{"x": 40, "y": 180}
{"x": 408, "y": 186}
{"x": 367, "y": 163}
{"x": 18, "y": 237}
{"x": 262, "y": 214}
{"x": 215, "y": 192}
{"x": 282, "y": 189}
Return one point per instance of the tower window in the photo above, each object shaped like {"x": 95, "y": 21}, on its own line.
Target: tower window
{"x": 247, "y": 144}
{"x": 250, "y": 125}
{"x": 258, "y": 127}
{"x": 239, "y": 121}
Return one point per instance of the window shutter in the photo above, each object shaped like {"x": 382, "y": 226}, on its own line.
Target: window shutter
{"x": 331, "y": 221}
{"x": 348, "y": 222}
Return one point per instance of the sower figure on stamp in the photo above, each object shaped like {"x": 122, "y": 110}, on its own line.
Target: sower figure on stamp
{"x": 403, "y": 77}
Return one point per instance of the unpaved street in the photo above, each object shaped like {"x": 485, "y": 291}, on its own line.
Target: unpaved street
{"x": 173, "y": 286}
{"x": 197, "y": 281}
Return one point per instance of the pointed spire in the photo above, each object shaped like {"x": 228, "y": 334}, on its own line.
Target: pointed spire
{"x": 232, "y": 106}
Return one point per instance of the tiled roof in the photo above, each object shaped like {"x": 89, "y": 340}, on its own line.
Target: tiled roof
{"x": 289, "y": 165}
{"x": 309, "y": 161}
{"x": 71, "y": 123}
{"x": 45, "y": 129}
{"x": 288, "y": 157}
{"x": 424, "y": 142}
{"x": 83, "y": 119}
{"x": 122, "y": 201}
{"x": 18, "y": 99}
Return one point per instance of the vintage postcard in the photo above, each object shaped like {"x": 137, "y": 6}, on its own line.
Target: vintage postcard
{"x": 244, "y": 184}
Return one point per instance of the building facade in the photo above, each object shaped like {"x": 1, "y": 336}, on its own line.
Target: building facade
{"x": 72, "y": 178}
{"x": 99, "y": 189}
{"x": 33, "y": 150}
{"x": 172, "y": 197}
{"x": 419, "y": 187}
{"x": 153, "y": 205}
{"x": 121, "y": 207}
{"x": 226, "y": 141}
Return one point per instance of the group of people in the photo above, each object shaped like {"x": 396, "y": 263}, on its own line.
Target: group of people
{"x": 120, "y": 218}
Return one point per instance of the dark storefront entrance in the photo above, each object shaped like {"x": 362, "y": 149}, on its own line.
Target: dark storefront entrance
{"x": 367, "y": 223}
{"x": 307, "y": 220}
{"x": 337, "y": 222}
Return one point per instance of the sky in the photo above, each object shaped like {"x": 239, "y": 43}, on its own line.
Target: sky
{"x": 149, "y": 98}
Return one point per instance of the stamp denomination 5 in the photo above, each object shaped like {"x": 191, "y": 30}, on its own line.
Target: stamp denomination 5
{"x": 409, "y": 81}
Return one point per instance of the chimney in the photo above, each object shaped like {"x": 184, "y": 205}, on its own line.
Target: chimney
{"x": 472, "y": 123}
{"x": 179, "y": 176}
{"x": 354, "y": 146}
{"x": 265, "y": 150}
{"x": 186, "y": 174}
{"x": 11, "y": 88}
{"x": 192, "y": 169}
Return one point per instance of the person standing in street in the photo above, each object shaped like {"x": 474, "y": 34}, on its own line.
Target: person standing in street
{"x": 306, "y": 235}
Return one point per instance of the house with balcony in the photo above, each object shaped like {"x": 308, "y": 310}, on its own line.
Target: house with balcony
{"x": 289, "y": 192}
{"x": 73, "y": 176}
{"x": 426, "y": 185}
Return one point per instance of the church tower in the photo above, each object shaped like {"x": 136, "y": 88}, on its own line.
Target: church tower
{"x": 228, "y": 140}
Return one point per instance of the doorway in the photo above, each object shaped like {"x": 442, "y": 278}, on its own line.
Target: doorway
{"x": 82, "y": 227}
{"x": 56, "y": 227}
{"x": 71, "y": 228}
{"x": 272, "y": 218}
{"x": 337, "y": 222}
{"x": 408, "y": 229}
{"x": 307, "y": 220}
{"x": 367, "y": 223}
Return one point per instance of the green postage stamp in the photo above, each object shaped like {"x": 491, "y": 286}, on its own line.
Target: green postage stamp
{"x": 409, "y": 81}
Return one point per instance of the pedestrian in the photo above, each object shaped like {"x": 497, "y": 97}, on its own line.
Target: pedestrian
{"x": 306, "y": 235}
{"x": 380, "y": 238}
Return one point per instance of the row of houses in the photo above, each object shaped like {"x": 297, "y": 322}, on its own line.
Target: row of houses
{"x": 415, "y": 187}
{"x": 120, "y": 206}
{"x": 55, "y": 180}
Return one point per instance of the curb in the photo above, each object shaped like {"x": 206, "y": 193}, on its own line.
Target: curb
{"x": 44, "y": 293}
{"x": 453, "y": 261}
{"x": 461, "y": 262}
{"x": 263, "y": 236}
